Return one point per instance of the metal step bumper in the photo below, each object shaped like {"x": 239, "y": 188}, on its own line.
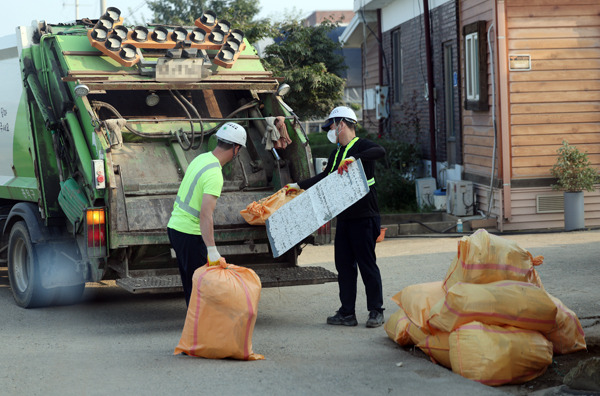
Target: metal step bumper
{"x": 271, "y": 277}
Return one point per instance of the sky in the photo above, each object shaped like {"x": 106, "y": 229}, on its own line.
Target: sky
{"x": 22, "y": 12}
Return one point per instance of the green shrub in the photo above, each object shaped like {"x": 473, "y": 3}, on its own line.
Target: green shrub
{"x": 394, "y": 174}
{"x": 573, "y": 170}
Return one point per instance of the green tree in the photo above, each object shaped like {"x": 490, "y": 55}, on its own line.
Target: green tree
{"x": 240, "y": 13}
{"x": 306, "y": 57}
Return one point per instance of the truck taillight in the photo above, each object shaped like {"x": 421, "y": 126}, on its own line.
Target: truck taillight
{"x": 96, "y": 232}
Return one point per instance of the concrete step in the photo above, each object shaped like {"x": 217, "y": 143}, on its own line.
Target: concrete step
{"x": 404, "y": 224}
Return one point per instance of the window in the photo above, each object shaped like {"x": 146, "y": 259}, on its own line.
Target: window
{"x": 472, "y": 66}
{"x": 397, "y": 64}
{"x": 475, "y": 66}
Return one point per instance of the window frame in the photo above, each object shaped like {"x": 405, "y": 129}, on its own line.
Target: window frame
{"x": 475, "y": 66}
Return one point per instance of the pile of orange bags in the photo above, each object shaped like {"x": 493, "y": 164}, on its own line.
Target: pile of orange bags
{"x": 490, "y": 319}
{"x": 257, "y": 213}
{"x": 222, "y": 313}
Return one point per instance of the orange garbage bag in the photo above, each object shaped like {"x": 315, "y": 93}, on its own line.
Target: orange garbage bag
{"x": 497, "y": 355}
{"x": 519, "y": 304}
{"x": 486, "y": 258}
{"x": 402, "y": 330}
{"x": 567, "y": 336}
{"x": 258, "y": 212}
{"x": 417, "y": 300}
{"x": 437, "y": 347}
{"x": 396, "y": 328}
{"x": 222, "y": 313}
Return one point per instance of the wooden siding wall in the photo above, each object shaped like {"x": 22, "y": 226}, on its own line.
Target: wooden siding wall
{"x": 525, "y": 216}
{"x": 560, "y": 97}
{"x": 478, "y": 131}
{"x": 370, "y": 65}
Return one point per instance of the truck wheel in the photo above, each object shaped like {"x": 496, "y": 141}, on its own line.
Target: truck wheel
{"x": 23, "y": 270}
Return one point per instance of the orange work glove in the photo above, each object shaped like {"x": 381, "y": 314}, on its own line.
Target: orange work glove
{"x": 291, "y": 188}
{"x": 344, "y": 165}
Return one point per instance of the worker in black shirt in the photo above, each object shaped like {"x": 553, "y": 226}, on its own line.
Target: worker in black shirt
{"x": 358, "y": 226}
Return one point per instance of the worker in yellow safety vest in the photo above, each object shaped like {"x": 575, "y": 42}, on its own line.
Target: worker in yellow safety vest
{"x": 359, "y": 225}
{"x": 190, "y": 228}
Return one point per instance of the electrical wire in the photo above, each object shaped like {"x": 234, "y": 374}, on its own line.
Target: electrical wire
{"x": 387, "y": 121}
{"x": 189, "y": 144}
{"x": 99, "y": 104}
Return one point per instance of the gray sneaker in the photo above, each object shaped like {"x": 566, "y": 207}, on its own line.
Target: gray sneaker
{"x": 344, "y": 320}
{"x": 375, "y": 319}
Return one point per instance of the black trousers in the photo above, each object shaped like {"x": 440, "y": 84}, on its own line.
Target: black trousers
{"x": 191, "y": 254}
{"x": 355, "y": 247}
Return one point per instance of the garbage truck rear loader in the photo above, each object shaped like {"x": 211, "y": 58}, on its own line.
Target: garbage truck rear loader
{"x": 98, "y": 123}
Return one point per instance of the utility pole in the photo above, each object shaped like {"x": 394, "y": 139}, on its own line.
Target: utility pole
{"x": 102, "y": 7}
{"x": 430, "y": 96}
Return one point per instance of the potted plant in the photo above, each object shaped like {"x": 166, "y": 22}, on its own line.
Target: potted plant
{"x": 574, "y": 173}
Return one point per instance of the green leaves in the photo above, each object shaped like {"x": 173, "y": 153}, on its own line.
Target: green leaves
{"x": 240, "y": 13}
{"x": 306, "y": 57}
{"x": 573, "y": 170}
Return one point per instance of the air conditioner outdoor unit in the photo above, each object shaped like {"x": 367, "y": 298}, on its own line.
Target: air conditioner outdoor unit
{"x": 425, "y": 189}
{"x": 320, "y": 164}
{"x": 460, "y": 199}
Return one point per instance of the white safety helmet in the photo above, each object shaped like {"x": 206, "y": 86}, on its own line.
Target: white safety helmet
{"x": 342, "y": 113}
{"x": 231, "y": 132}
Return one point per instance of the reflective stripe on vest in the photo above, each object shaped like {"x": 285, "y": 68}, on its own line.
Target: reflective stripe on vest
{"x": 371, "y": 181}
{"x": 185, "y": 204}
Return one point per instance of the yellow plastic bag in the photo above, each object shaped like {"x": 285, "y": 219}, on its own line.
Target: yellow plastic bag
{"x": 512, "y": 303}
{"x": 402, "y": 330}
{"x": 437, "y": 347}
{"x": 567, "y": 336}
{"x": 486, "y": 258}
{"x": 222, "y": 313}
{"x": 496, "y": 355}
{"x": 257, "y": 213}
{"x": 417, "y": 300}
{"x": 396, "y": 328}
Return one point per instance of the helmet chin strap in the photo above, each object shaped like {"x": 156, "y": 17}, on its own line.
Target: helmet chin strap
{"x": 235, "y": 155}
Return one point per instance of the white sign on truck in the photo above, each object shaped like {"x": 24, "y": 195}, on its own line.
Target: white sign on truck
{"x": 9, "y": 102}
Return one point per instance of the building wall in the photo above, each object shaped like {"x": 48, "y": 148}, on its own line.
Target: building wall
{"x": 559, "y": 98}
{"x": 478, "y": 131}
{"x": 412, "y": 102}
{"x": 370, "y": 67}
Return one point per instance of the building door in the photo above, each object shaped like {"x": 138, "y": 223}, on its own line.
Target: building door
{"x": 449, "y": 108}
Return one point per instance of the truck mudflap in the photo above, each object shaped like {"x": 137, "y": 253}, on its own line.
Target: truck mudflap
{"x": 269, "y": 277}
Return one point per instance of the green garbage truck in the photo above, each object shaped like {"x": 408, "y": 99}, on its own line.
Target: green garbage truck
{"x": 98, "y": 123}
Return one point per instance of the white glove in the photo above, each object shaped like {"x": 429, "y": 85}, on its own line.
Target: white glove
{"x": 213, "y": 255}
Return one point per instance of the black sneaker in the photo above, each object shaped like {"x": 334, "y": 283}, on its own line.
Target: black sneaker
{"x": 375, "y": 319}
{"x": 344, "y": 320}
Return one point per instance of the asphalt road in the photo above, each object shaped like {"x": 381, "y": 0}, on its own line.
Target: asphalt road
{"x": 118, "y": 343}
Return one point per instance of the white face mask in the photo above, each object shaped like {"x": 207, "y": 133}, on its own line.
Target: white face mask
{"x": 332, "y": 136}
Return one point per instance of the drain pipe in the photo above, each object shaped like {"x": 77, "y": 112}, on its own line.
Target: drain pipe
{"x": 504, "y": 109}
{"x": 491, "y": 197}
{"x": 431, "y": 98}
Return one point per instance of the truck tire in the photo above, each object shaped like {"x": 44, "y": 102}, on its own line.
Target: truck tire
{"x": 23, "y": 270}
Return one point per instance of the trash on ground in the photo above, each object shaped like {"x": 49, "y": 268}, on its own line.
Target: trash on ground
{"x": 222, "y": 313}
{"x": 490, "y": 319}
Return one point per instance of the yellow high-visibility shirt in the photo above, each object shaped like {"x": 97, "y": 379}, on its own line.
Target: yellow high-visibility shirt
{"x": 203, "y": 176}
